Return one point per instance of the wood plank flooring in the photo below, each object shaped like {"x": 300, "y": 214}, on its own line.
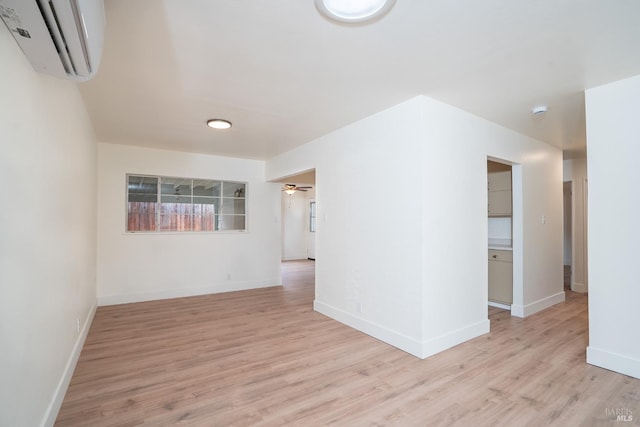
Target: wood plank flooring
{"x": 264, "y": 357}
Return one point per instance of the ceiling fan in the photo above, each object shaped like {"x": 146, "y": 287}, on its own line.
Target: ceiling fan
{"x": 292, "y": 188}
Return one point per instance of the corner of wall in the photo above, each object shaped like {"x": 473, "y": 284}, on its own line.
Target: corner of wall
{"x": 579, "y": 287}
{"x": 453, "y": 338}
{"x": 52, "y": 410}
{"x": 396, "y": 339}
{"x": 536, "y": 306}
{"x": 613, "y": 361}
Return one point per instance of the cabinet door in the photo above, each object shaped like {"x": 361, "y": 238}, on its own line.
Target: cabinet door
{"x": 500, "y": 203}
{"x": 501, "y": 277}
{"x": 499, "y": 181}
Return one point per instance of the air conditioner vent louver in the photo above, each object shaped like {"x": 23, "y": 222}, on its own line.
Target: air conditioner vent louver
{"x": 59, "y": 37}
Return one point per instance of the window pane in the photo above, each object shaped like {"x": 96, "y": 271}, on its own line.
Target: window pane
{"x": 231, "y": 222}
{"x": 176, "y": 186}
{"x": 176, "y": 208}
{"x": 142, "y": 195}
{"x": 204, "y": 222}
{"x": 233, "y": 206}
{"x": 312, "y": 217}
{"x": 207, "y": 201}
{"x": 217, "y": 188}
{"x": 149, "y": 198}
{"x": 142, "y": 208}
{"x": 142, "y": 189}
{"x": 175, "y": 199}
{"x": 175, "y": 222}
{"x": 141, "y": 222}
{"x": 205, "y": 187}
{"x": 142, "y": 185}
{"x": 234, "y": 189}
{"x": 204, "y": 209}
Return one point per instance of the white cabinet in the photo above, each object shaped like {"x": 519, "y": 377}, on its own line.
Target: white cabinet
{"x": 500, "y": 203}
{"x": 501, "y": 276}
{"x": 499, "y": 194}
{"x": 499, "y": 181}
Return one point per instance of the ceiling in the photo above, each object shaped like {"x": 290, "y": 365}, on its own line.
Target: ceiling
{"x": 304, "y": 178}
{"x": 284, "y": 75}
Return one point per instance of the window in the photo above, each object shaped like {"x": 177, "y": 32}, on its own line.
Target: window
{"x": 312, "y": 217}
{"x": 156, "y": 203}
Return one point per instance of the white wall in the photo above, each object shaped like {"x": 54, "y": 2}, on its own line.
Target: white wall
{"x": 295, "y": 224}
{"x": 575, "y": 170}
{"x": 455, "y": 268}
{"x": 417, "y": 277}
{"x": 47, "y": 237}
{"x": 613, "y": 132}
{"x": 144, "y": 266}
{"x": 368, "y": 251}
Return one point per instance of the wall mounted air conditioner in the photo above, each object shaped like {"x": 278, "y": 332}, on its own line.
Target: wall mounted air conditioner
{"x": 62, "y": 38}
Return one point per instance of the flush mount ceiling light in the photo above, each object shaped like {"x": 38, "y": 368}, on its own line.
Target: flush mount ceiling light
{"x": 540, "y": 109}
{"x": 354, "y": 11}
{"x": 219, "y": 124}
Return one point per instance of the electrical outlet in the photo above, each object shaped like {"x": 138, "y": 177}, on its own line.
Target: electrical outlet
{"x": 78, "y": 325}
{"x": 228, "y": 276}
{"x": 359, "y": 307}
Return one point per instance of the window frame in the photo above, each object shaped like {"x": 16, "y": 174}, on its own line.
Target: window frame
{"x": 312, "y": 216}
{"x": 159, "y": 193}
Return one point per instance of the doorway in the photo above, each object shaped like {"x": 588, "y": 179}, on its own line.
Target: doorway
{"x": 511, "y": 229}
{"x": 500, "y": 234}
{"x": 298, "y": 213}
{"x": 298, "y": 219}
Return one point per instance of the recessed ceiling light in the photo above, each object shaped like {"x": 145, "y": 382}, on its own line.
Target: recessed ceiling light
{"x": 540, "y": 109}
{"x": 219, "y": 124}
{"x": 354, "y": 11}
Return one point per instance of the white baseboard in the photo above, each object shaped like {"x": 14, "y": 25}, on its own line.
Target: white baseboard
{"x": 614, "y": 362}
{"x": 499, "y": 305}
{"x": 396, "y": 339}
{"x": 517, "y": 310}
{"x": 534, "y": 307}
{"x": 297, "y": 257}
{"x": 185, "y": 292}
{"x": 453, "y": 338}
{"x": 51, "y": 413}
{"x": 421, "y": 349}
{"x": 579, "y": 287}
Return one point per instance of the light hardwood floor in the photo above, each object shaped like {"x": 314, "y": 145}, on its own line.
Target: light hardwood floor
{"x": 265, "y": 357}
